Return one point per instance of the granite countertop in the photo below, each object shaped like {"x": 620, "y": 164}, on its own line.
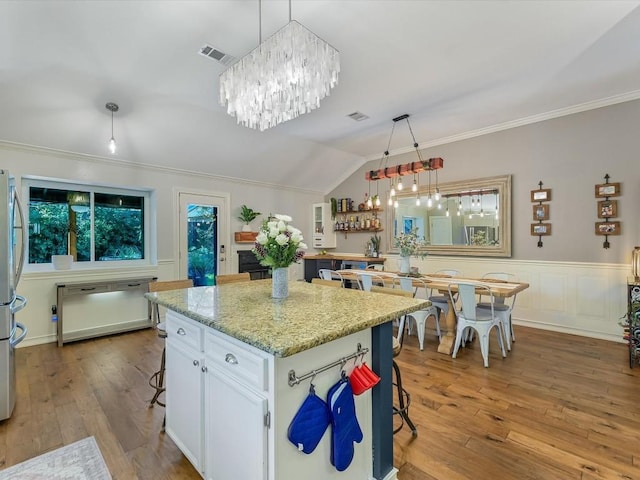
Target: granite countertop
{"x": 310, "y": 316}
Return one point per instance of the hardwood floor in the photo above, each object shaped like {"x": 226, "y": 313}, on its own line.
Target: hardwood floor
{"x": 558, "y": 407}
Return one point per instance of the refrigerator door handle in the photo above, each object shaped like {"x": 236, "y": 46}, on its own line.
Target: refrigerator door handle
{"x": 16, "y": 341}
{"x": 16, "y": 308}
{"x": 23, "y": 237}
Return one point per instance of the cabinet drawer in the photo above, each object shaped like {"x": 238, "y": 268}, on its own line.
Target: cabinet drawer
{"x": 131, "y": 285}
{"x": 246, "y": 366}
{"x": 184, "y": 331}
{"x": 86, "y": 289}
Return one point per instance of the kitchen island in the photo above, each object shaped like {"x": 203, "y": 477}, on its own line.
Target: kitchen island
{"x": 231, "y": 352}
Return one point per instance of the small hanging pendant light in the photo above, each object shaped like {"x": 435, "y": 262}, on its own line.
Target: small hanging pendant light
{"x": 112, "y": 107}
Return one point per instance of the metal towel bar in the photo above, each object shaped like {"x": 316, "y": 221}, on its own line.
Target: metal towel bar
{"x": 295, "y": 380}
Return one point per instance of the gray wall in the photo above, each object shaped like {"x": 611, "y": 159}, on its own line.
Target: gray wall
{"x": 569, "y": 154}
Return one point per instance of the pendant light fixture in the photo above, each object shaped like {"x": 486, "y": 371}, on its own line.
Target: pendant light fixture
{"x": 112, "y": 107}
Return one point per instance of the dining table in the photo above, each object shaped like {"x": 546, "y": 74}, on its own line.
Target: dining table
{"x": 441, "y": 283}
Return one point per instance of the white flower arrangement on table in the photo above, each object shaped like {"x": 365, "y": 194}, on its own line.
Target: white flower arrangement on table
{"x": 410, "y": 245}
{"x": 278, "y": 244}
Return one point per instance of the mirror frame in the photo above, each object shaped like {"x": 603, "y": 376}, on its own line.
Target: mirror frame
{"x": 501, "y": 183}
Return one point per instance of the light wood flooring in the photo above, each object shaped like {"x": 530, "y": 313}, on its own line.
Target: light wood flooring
{"x": 558, "y": 407}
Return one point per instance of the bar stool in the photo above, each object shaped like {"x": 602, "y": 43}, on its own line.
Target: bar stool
{"x": 156, "y": 381}
{"x": 404, "y": 397}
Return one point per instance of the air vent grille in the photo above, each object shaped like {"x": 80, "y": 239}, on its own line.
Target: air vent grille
{"x": 357, "y": 116}
{"x": 214, "y": 53}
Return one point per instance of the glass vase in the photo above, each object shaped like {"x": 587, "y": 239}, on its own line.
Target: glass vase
{"x": 280, "y": 283}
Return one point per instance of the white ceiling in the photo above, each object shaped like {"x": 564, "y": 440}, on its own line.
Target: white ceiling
{"x": 457, "y": 67}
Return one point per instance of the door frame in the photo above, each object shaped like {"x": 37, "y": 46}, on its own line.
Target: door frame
{"x": 223, "y": 199}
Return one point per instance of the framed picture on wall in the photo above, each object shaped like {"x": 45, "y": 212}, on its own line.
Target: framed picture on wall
{"x": 408, "y": 224}
{"x": 607, "y": 208}
{"x": 540, "y": 229}
{"x": 607, "y": 190}
{"x": 607, "y": 228}
{"x": 541, "y": 195}
{"x": 541, "y": 212}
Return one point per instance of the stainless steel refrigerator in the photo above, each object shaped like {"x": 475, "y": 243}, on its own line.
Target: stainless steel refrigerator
{"x": 12, "y": 240}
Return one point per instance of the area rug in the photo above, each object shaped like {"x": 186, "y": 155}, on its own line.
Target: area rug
{"x": 81, "y": 460}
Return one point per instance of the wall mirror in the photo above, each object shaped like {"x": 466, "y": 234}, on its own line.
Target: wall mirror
{"x": 472, "y": 217}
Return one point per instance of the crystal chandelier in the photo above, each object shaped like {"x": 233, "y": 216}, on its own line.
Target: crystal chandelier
{"x": 283, "y": 77}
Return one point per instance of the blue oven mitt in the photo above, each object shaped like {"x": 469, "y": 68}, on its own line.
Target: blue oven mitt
{"x": 309, "y": 423}
{"x": 345, "y": 427}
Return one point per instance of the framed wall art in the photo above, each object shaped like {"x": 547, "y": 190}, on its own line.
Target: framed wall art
{"x": 540, "y": 212}
{"x": 607, "y": 208}
{"x": 540, "y": 229}
{"x": 607, "y": 228}
{"x": 607, "y": 190}
{"x": 541, "y": 195}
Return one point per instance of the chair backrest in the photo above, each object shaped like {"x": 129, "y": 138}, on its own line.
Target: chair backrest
{"x": 504, "y": 277}
{"x": 233, "y": 278}
{"x": 410, "y": 284}
{"x": 376, "y": 266}
{"x": 467, "y": 295}
{"x": 367, "y": 280}
{"x": 327, "y": 274}
{"x": 448, "y": 273}
{"x": 170, "y": 285}
{"x": 328, "y": 283}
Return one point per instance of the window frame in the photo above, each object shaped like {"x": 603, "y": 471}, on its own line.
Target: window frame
{"x": 149, "y": 209}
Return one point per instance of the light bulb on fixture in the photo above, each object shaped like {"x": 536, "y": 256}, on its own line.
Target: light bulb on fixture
{"x": 400, "y": 185}
{"x": 414, "y": 187}
{"x": 439, "y": 206}
{"x": 112, "y": 107}
{"x": 470, "y": 215}
{"x": 369, "y": 203}
{"x": 437, "y": 195}
{"x": 377, "y": 202}
{"x": 429, "y": 202}
{"x": 458, "y": 213}
{"x": 447, "y": 211}
{"x": 417, "y": 200}
{"x": 395, "y": 204}
{"x": 390, "y": 201}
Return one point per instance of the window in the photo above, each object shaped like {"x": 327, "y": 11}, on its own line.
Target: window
{"x": 95, "y": 224}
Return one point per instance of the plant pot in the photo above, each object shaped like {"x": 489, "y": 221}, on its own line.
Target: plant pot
{"x": 246, "y": 227}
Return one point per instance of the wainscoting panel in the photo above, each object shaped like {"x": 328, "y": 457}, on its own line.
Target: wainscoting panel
{"x": 585, "y": 299}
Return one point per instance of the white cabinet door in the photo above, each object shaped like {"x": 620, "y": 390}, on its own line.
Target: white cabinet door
{"x": 236, "y": 434}
{"x": 184, "y": 397}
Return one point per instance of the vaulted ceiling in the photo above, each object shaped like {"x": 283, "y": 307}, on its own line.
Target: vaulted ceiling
{"x": 459, "y": 68}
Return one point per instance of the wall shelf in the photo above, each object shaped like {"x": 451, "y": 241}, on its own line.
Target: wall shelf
{"x": 245, "y": 237}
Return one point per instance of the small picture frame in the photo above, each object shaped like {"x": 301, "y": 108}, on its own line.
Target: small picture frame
{"x": 607, "y": 208}
{"x": 607, "y": 190}
{"x": 607, "y": 228}
{"x": 540, "y": 212}
{"x": 540, "y": 229}
{"x": 541, "y": 195}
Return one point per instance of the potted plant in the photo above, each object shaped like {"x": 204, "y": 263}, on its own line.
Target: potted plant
{"x": 375, "y": 243}
{"x": 247, "y": 215}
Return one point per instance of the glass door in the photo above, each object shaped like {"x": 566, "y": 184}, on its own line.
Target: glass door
{"x": 202, "y": 245}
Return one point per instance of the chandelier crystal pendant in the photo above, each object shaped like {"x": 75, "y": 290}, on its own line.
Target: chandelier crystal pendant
{"x": 283, "y": 77}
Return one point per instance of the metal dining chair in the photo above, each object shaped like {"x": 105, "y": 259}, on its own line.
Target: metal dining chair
{"x": 366, "y": 280}
{"x": 481, "y": 320}
{"x": 440, "y": 301}
{"x": 420, "y": 317}
{"x": 327, "y": 274}
{"x": 502, "y": 306}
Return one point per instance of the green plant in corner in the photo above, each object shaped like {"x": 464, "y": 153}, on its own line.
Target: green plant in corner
{"x": 334, "y": 208}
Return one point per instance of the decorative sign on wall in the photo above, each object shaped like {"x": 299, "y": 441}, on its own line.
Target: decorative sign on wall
{"x": 607, "y": 209}
{"x": 540, "y": 212}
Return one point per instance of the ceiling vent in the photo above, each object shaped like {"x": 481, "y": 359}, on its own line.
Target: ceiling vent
{"x": 211, "y": 52}
{"x": 357, "y": 116}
